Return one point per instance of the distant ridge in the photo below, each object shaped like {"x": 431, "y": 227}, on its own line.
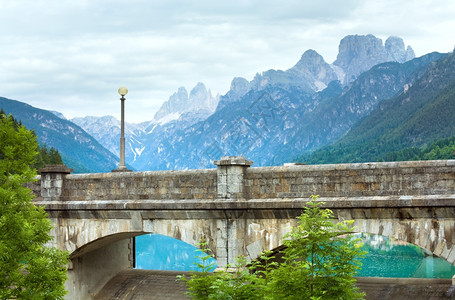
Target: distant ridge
{"x": 275, "y": 117}
{"x": 78, "y": 149}
{"x": 271, "y": 118}
{"x": 423, "y": 113}
{"x": 359, "y": 53}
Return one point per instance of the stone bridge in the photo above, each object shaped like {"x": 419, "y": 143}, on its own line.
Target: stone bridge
{"x": 238, "y": 209}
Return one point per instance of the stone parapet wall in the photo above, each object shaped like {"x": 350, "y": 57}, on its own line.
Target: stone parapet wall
{"x": 35, "y": 186}
{"x": 193, "y": 184}
{"x": 235, "y": 180}
{"x": 351, "y": 180}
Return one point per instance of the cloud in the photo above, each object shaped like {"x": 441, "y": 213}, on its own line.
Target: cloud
{"x": 72, "y": 56}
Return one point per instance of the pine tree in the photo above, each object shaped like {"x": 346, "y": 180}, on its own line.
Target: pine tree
{"x": 320, "y": 262}
{"x": 47, "y": 156}
{"x": 320, "y": 259}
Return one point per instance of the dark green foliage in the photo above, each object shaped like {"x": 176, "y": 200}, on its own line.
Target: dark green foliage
{"x": 44, "y": 155}
{"x": 441, "y": 149}
{"x": 47, "y": 156}
{"x": 28, "y": 268}
{"x": 319, "y": 262}
{"x": 200, "y": 282}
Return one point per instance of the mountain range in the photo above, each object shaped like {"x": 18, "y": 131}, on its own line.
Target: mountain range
{"x": 78, "y": 149}
{"x": 423, "y": 113}
{"x": 259, "y": 118}
{"x": 276, "y": 116}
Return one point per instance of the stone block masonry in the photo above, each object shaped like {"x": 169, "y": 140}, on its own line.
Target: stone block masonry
{"x": 159, "y": 185}
{"x": 412, "y": 178}
{"x": 230, "y": 177}
{"x": 238, "y": 209}
{"x": 234, "y": 179}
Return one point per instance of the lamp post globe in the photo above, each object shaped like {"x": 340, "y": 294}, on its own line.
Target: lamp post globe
{"x": 123, "y": 91}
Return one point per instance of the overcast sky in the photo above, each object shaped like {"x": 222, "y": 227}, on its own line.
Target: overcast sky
{"x": 72, "y": 56}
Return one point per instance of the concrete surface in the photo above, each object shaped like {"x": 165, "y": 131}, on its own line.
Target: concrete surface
{"x": 161, "y": 285}
{"x": 144, "y": 285}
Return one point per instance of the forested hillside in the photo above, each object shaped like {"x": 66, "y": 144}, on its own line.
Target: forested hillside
{"x": 441, "y": 149}
{"x": 403, "y": 126}
{"x": 44, "y": 156}
{"x": 79, "y": 150}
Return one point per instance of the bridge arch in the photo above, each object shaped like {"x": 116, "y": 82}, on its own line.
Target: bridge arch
{"x": 81, "y": 233}
{"x": 103, "y": 242}
{"x": 190, "y": 231}
{"x": 242, "y": 210}
{"x": 433, "y": 235}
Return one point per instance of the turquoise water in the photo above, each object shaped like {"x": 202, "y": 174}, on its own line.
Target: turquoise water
{"x": 159, "y": 252}
{"x": 385, "y": 258}
{"x": 389, "y": 258}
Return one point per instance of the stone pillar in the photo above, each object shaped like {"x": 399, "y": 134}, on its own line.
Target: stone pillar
{"x": 230, "y": 185}
{"x": 230, "y": 173}
{"x": 52, "y": 181}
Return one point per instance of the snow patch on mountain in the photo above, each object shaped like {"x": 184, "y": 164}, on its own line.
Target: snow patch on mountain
{"x": 168, "y": 118}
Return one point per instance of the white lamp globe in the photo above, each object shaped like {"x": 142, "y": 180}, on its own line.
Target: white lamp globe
{"x": 123, "y": 91}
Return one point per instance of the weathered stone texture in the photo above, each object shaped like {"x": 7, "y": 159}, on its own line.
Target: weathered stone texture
{"x": 240, "y": 210}
{"x": 194, "y": 184}
{"x": 35, "y": 186}
{"x": 351, "y": 180}
{"x": 234, "y": 180}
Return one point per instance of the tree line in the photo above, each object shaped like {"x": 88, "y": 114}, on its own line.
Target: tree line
{"x": 45, "y": 155}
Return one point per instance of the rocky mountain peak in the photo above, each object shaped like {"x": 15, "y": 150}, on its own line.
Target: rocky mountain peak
{"x": 410, "y": 53}
{"x": 314, "y": 65}
{"x": 358, "y": 53}
{"x": 177, "y": 102}
{"x": 201, "y": 98}
{"x": 181, "y": 93}
{"x": 239, "y": 86}
{"x": 309, "y": 59}
{"x": 396, "y": 50}
{"x": 198, "y": 91}
{"x": 180, "y": 102}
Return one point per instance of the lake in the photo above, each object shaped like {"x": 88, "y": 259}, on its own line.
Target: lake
{"x": 385, "y": 258}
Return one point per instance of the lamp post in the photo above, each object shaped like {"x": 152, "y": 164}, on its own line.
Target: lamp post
{"x": 122, "y": 91}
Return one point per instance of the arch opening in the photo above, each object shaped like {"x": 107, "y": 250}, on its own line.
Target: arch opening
{"x": 161, "y": 252}
{"x": 389, "y": 257}
{"x": 102, "y": 242}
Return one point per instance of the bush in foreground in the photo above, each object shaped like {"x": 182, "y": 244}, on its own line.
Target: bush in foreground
{"x": 319, "y": 261}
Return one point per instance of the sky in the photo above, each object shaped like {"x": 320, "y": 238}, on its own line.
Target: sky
{"x": 72, "y": 56}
